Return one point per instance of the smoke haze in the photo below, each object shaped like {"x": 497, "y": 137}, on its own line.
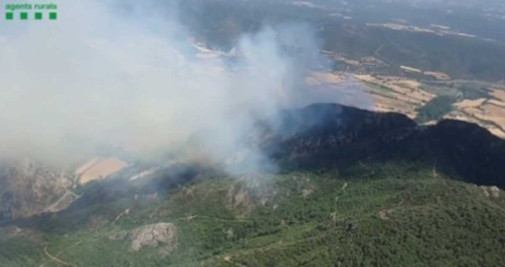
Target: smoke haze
{"x": 126, "y": 74}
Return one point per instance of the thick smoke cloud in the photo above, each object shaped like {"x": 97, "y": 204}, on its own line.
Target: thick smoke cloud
{"x": 126, "y": 75}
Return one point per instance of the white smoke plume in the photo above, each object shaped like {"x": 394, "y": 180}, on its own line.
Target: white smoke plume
{"x": 125, "y": 74}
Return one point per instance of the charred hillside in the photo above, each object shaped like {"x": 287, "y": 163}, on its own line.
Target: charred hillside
{"x": 328, "y": 136}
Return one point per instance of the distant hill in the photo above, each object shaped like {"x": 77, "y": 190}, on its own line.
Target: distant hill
{"x": 342, "y": 28}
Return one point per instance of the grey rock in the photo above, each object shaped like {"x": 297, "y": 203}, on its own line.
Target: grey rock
{"x": 155, "y": 235}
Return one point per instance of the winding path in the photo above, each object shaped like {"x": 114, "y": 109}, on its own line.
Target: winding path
{"x": 55, "y": 259}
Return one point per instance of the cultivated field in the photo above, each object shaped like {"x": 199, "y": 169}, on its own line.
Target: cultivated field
{"x": 471, "y": 101}
{"x": 98, "y": 169}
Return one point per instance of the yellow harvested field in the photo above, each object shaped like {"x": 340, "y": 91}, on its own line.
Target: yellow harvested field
{"x": 498, "y": 132}
{"x": 397, "y": 84}
{"x": 470, "y": 103}
{"x": 396, "y": 94}
{"x": 458, "y": 115}
{"x": 98, "y": 169}
{"x": 493, "y": 113}
{"x": 496, "y": 103}
{"x": 438, "y": 75}
{"x": 386, "y": 104}
{"x": 321, "y": 78}
{"x": 488, "y": 113}
{"x": 500, "y": 94}
{"x": 406, "y": 96}
{"x": 85, "y": 166}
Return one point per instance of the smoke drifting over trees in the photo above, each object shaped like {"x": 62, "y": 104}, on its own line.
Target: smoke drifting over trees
{"x": 125, "y": 74}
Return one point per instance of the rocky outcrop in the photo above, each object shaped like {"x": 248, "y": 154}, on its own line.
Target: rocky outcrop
{"x": 491, "y": 191}
{"x": 239, "y": 200}
{"x": 28, "y": 188}
{"x": 160, "y": 235}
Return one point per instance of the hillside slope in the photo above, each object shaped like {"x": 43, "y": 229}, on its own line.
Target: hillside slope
{"x": 28, "y": 187}
{"x": 354, "y": 188}
{"x": 394, "y": 214}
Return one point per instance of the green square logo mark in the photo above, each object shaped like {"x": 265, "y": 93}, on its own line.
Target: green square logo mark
{"x": 23, "y": 15}
{"x": 38, "y": 15}
{"x": 53, "y": 15}
{"x": 9, "y": 16}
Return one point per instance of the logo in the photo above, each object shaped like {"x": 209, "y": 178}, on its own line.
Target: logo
{"x": 28, "y": 11}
